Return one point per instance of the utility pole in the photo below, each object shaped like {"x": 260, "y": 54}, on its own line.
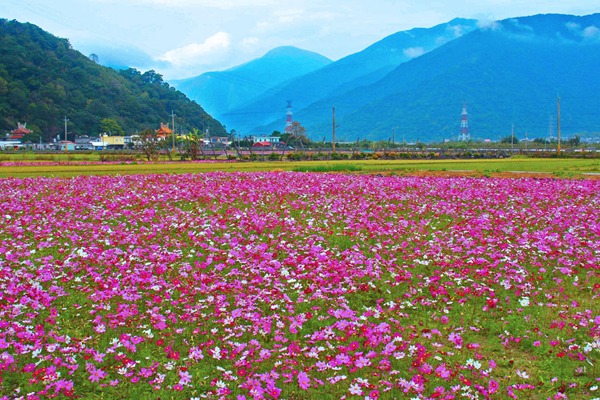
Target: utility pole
{"x": 333, "y": 129}
{"x": 558, "y": 122}
{"x": 512, "y": 138}
{"x": 173, "y": 125}
{"x": 66, "y": 120}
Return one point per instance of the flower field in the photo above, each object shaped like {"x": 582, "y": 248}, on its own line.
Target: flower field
{"x": 297, "y": 286}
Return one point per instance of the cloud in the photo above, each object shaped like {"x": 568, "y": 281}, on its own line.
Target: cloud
{"x": 120, "y": 57}
{"x": 573, "y": 26}
{"x": 591, "y": 32}
{"x": 457, "y": 30}
{"x": 194, "y": 53}
{"x": 488, "y": 24}
{"x": 250, "y": 43}
{"x": 414, "y": 52}
{"x": 219, "y": 4}
{"x": 521, "y": 28}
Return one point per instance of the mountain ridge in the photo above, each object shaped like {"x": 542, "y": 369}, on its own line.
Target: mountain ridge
{"x": 373, "y": 61}
{"x": 219, "y": 91}
{"x": 509, "y": 72}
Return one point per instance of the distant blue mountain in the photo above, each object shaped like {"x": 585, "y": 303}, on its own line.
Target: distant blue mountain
{"x": 121, "y": 57}
{"x": 509, "y": 72}
{"x": 219, "y": 92}
{"x": 359, "y": 69}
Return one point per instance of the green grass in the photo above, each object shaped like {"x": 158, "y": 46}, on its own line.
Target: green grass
{"x": 552, "y": 166}
{"x": 334, "y": 167}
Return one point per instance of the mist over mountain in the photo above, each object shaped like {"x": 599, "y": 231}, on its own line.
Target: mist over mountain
{"x": 121, "y": 57}
{"x": 221, "y": 91}
{"x": 508, "y": 72}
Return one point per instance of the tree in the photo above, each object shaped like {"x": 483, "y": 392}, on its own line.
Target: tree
{"x": 31, "y": 138}
{"x": 112, "y": 127}
{"x": 149, "y": 143}
{"x": 193, "y": 144}
{"x": 297, "y": 134}
{"x": 509, "y": 139}
{"x": 574, "y": 141}
{"x": 152, "y": 77}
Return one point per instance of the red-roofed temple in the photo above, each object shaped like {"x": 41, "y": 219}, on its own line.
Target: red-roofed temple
{"x": 20, "y": 131}
{"x": 164, "y": 131}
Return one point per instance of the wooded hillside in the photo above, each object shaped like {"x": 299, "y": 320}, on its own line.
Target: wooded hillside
{"x": 42, "y": 80}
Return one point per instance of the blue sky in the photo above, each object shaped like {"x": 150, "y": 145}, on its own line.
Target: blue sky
{"x": 183, "y": 38}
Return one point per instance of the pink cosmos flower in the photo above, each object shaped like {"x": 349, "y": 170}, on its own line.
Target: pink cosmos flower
{"x": 303, "y": 380}
{"x": 184, "y": 378}
{"x": 96, "y": 375}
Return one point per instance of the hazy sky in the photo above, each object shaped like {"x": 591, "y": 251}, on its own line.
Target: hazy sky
{"x": 182, "y": 38}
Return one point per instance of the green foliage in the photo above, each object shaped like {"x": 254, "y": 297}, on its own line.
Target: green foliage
{"x": 111, "y": 127}
{"x": 31, "y": 138}
{"x": 509, "y": 139}
{"x": 192, "y": 144}
{"x": 274, "y": 157}
{"x": 574, "y": 141}
{"x": 329, "y": 168}
{"x": 297, "y": 136}
{"x": 42, "y": 79}
{"x": 149, "y": 143}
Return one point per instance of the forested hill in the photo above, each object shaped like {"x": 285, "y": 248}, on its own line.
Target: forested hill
{"x": 42, "y": 80}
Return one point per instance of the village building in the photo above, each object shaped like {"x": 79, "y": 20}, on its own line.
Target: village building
{"x": 164, "y": 131}
{"x": 109, "y": 142}
{"x": 266, "y": 141}
{"x": 17, "y": 134}
{"x": 65, "y": 145}
{"x": 85, "y": 142}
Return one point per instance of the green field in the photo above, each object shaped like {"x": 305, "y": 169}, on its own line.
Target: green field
{"x": 62, "y": 166}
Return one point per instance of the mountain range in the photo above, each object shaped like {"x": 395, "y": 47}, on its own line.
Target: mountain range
{"x": 356, "y": 70}
{"x": 511, "y": 75}
{"x": 413, "y": 84}
{"x": 221, "y": 91}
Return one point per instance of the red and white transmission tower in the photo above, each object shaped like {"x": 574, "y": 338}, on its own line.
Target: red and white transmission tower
{"x": 464, "y": 135}
{"x": 288, "y": 120}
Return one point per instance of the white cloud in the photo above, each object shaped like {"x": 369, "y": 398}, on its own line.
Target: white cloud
{"x": 573, "y": 26}
{"x": 588, "y": 33}
{"x": 414, "y": 52}
{"x": 195, "y": 52}
{"x": 591, "y": 32}
{"x": 250, "y": 42}
{"x": 457, "y": 30}
{"x": 289, "y": 16}
{"x": 219, "y": 4}
{"x": 488, "y": 24}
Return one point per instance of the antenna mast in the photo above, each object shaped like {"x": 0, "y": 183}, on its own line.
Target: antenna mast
{"x": 289, "y": 120}
{"x": 558, "y": 122}
{"x": 66, "y": 120}
{"x": 333, "y": 129}
{"x": 464, "y": 135}
{"x": 173, "y": 125}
